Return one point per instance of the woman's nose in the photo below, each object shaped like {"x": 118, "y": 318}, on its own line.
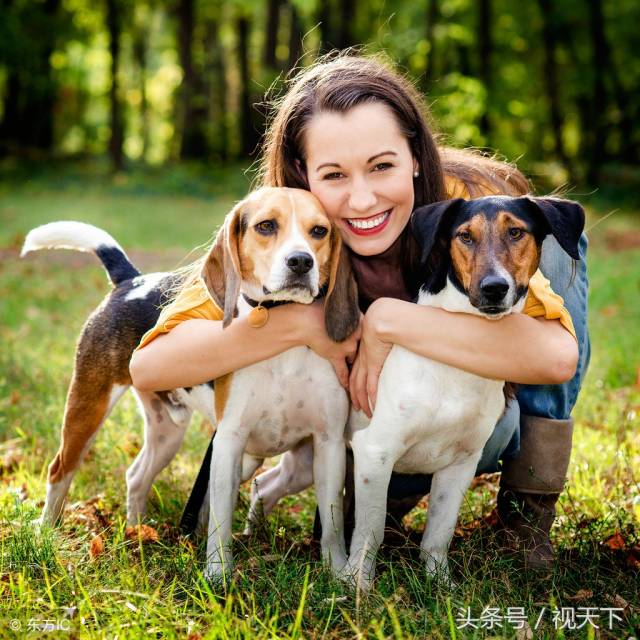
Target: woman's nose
{"x": 361, "y": 196}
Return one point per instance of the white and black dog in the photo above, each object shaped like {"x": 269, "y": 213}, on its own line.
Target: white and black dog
{"x": 430, "y": 418}
{"x": 276, "y": 246}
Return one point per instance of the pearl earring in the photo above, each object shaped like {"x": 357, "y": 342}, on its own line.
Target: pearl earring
{"x": 416, "y": 174}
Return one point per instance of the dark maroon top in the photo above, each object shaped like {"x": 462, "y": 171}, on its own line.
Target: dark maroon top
{"x": 382, "y": 275}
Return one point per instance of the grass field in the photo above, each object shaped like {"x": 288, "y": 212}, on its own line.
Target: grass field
{"x": 130, "y": 589}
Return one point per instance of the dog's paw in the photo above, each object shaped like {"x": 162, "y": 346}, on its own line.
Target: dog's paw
{"x": 439, "y": 571}
{"x": 217, "y": 575}
{"x": 356, "y": 579}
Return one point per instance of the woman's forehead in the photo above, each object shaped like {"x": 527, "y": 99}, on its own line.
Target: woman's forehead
{"x": 358, "y": 134}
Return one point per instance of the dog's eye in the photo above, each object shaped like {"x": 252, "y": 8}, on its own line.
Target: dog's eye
{"x": 266, "y": 227}
{"x": 319, "y": 232}
{"x": 515, "y": 233}
{"x": 465, "y": 237}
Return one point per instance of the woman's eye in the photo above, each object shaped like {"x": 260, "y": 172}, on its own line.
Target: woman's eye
{"x": 381, "y": 166}
{"x": 465, "y": 237}
{"x": 319, "y": 232}
{"x": 334, "y": 175}
{"x": 266, "y": 227}
{"x": 515, "y": 233}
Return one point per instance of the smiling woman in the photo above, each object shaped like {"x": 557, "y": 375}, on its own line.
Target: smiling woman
{"x": 354, "y": 132}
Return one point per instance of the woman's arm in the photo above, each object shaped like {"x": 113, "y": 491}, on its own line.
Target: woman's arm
{"x": 516, "y": 348}
{"x": 197, "y": 351}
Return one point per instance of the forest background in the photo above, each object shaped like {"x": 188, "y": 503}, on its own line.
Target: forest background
{"x": 553, "y": 85}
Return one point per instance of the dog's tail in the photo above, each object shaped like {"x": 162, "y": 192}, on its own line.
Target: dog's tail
{"x": 82, "y": 237}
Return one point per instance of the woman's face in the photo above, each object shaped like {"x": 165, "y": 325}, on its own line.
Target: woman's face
{"x": 360, "y": 167}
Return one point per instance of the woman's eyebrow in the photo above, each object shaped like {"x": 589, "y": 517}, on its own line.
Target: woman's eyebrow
{"x": 327, "y": 164}
{"x": 371, "y": 159}
{"x": 382, "y": 153}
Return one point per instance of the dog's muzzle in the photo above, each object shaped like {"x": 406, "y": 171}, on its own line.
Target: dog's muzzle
{"x": 494, "y": 298}
{"x": 299, "y": 265}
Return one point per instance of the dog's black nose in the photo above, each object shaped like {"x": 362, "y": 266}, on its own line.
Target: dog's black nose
{"x": 494, "y": 288}
{"x": 299, "y": 262}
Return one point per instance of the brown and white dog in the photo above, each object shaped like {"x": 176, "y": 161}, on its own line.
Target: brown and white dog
{"x": 275, "y": 246}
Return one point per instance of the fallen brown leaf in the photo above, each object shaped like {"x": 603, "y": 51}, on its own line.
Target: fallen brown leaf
{"x": 96, "y": 548}
{"x": 142, "y": 532}
{"x": 615, "y": 542}
{"x": 581, "y": 594}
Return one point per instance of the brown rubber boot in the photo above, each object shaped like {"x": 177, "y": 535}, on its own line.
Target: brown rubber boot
{"x": 530, "y": 485}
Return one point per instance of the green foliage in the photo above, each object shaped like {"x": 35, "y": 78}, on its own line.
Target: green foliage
{"x": 437, "y": 42}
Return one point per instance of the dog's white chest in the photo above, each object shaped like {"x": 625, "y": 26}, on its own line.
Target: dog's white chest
{"x": 281, "y": 401}
{"x": 437, "y": 414}
{"x": 429, "y": 414}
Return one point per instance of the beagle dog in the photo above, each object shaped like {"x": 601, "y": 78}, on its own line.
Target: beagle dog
{"x": 276, "y": 246}
{"x": 430, "y": 418}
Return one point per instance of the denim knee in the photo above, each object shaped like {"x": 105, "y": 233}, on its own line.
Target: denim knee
{"x": 569, "y": 280}
{"x": 504, "y": 441}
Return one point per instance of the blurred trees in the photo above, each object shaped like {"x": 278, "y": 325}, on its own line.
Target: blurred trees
{"x": 155, "y": 80}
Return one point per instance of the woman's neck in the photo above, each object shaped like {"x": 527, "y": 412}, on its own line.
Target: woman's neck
{"x": 382, "y": 275}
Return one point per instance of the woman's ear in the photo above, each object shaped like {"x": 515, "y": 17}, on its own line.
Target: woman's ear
{"x": 221, "y": 269}
{"x": 341, "y": 310}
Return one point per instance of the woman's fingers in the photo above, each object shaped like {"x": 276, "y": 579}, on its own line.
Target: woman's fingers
{"x": 342, "y": 371}
{"x": 352, "y": 384}
{"x": 372, "y": 387}
{"x": 359, "y": 388}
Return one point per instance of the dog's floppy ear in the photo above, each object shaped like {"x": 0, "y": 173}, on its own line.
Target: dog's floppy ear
{"x": 564, "y": 218}
{"x": 341, "y": 311}
{"x": 427, "y": 222}
{"x": 221, "y": 270}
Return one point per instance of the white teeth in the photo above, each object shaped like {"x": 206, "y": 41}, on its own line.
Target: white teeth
{"x": 369, "y": 224}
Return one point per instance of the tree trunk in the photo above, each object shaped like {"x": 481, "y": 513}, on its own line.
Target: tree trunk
{"x": 327, "y": 39}
{"x": 347, "y": 19}
{"x": 430, "y": 66}
{"x": 117, "y": 129}
{"x": 193, "y": 141}
{"x": 140, "y": 56}
{"x": 271, "y": 39}
{"x": 248, "y": 135}
{"x": 550, "y": 72}
{"x": 599, "y": 99}
{"x": 295, "y": 38}
{"x": 485, "y": 47}
{"x": 216, "y": 90}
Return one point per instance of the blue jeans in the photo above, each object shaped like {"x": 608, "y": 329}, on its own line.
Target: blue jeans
{"x": 555, "y": 401}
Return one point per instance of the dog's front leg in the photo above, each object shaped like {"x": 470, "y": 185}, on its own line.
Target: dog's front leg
{"x": 329, "y": 464}
{"x": 373, "y": 464}
{"x": 224, "y": 483}
{"x": 448, "y": 488}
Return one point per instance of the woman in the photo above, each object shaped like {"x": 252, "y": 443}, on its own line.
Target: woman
{"x": 353, "y": 132}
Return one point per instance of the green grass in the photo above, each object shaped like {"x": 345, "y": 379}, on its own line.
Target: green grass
{"x": 280, "y": 589}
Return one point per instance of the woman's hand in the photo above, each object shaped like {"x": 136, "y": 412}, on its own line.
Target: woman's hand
{"x": 314, "y": 335}
{"x": 373, "y": 351}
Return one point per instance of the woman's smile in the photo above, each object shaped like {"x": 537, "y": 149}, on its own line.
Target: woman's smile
{"x": 371, "y": 225}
